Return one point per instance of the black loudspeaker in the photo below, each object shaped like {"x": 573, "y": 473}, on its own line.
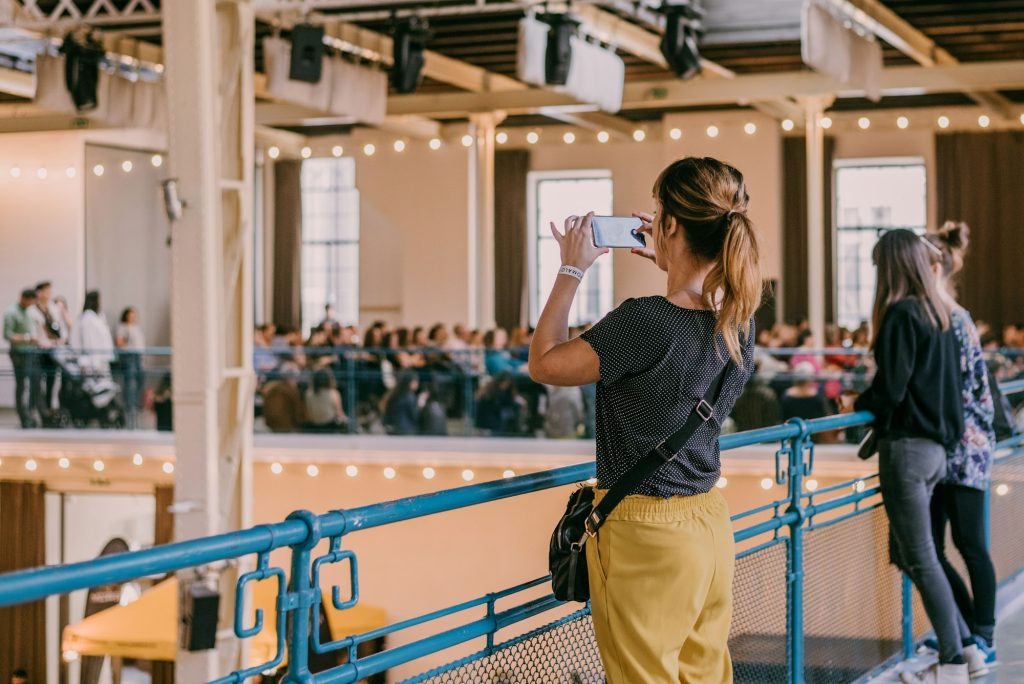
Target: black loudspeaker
{"x": 558, "y": 58}
{"x": 82, "y": 71}
{"x": 307, "y": 53}
{"x": 199, "y": 618}
{"x": 411, "y": 36}
{"x": 679, "y": 42}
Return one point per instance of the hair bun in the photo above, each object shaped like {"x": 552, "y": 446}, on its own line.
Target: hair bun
{"x": 955, "y": 234}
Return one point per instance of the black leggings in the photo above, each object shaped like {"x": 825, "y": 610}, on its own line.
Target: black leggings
{"x": 964, "y": 509}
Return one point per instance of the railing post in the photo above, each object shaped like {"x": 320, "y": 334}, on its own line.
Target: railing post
{"x": 908, "y": 616}
{"x": 795, "y": 575}
{"x": 351, "y": 393}
{"x": 300, "y": 598}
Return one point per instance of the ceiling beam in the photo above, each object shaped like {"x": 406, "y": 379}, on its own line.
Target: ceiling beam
{"x": 912, "y": 42}
{"x": 743, "y": 89}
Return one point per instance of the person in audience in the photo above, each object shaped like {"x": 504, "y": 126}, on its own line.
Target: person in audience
{"x": 662, "y": 599}
{"x": 433, "y": 416}
{"x": 163, "y": 405}
{"x": 497, "y": 359}
{"x": 401, "y": 409}
{"x": 18, "y": 332}
{"x": 49, "y": 334}
{"x": 758, "y": 406}
{"x": 565, "y": 412}
{"x": 324, "y": 412}
{"x": 283, "y": 406}
{"x": 19, "y": 676}
{"x": 959, "y": 499}
{"x": 916, "y": 399}
{"x": 500, "y": 409}
{"x": 130, "y": 342}
{"x": 803, "y": 399}
{"x": 329, "y": 320}
{"x": 419, "y": 337}
{"x": 63, "y": 313}
{"x": 91, "y": 338}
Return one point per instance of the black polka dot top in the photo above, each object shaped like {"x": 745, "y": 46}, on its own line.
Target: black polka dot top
{"x": 657, "y": 361}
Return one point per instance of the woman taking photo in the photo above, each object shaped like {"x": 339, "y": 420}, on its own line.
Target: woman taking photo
{"x": 661, "y": 566}
{"x": 959, "y": 499}
{"x": 916, "y": 398}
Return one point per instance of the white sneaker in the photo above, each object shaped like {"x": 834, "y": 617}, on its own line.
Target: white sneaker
{"x": 938, "y": 674}
{"x": 976, "y": 665}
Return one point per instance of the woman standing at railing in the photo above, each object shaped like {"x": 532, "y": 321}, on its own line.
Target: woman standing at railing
{"x": 960, "y": 498}
{"x": 661, "y": 565}
{"x": 916, "y": 399}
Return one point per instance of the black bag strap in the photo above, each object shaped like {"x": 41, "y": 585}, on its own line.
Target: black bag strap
{"x": 660, "y": 455}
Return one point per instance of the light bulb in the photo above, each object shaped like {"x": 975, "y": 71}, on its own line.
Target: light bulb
{"x": 902, "y": 122}
{"x": 41, "y": 173}
{"x": 399, "y": 146}
{"x": 274, "y": 152}
{"x": 16, "y": 172}
{"x": 639, "y": 135}
{"x": 435, "y": 143}
{"x": 63, "y": 463}
{"x": 826, "y": 122}
{"x": 390, "y": 473}
{"x": 276, "y": 468}
{"x": 1022, "y": 118}
{"x": 369, "y": 149}
{"x": 864, "y": 123}
{"x": 468, "y": 475}
{"x": 312, "y": 470}
{"x": 943, "y": 121}
{"x": 722, "y": 483}
{"x": 984, "y": 121}
{"x": 467, "y": 140}
{"x": 712, "y": 131}
{"x": 501, "y": 138}
{"x": 429, "y": 473}
{"x": 168, "y": 467}
{"x": 127, "y": 166}
{"x": 31, "y": 465}
{"x": 71, "y": 172}
{"x": 675, "y": 134}
{"x": 859, "y": 486}
{"x": 1002, "y": 489}
{"x": 351, "y": 470}
{"x": 337, "y": 150}
{"x": 603, "y": 137}
{"x": 137, "y": 459}
{"x": 812, "y": 485}
{"x": 750, "y": 128}
{"x": 96, "y": 170}
{"x": 306, "y": 152}
{"x": 508, "y": 473}
{"x": 569, "y": 138}
{"x": 99, "y": 466}
{"x": 787, "y": 124}
{"x": 766, "y": 483}
{"x": 156, "y": 160}
{"x": 532, "y": 137}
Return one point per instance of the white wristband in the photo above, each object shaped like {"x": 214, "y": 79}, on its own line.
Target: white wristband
{"x": 571, "y": 271}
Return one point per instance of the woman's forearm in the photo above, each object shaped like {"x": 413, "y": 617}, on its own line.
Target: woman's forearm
{"x": 553, "y": 326}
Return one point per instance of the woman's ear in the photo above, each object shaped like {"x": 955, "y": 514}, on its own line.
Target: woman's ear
{"x": 669, "y": 225}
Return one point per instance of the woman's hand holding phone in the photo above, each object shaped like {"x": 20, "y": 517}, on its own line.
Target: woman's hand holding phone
{"x": 577, "y": 243}
{"x": 648, "y": 231}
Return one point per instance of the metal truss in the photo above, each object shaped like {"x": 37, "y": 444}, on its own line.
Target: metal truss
{"x": 28, "y": 13}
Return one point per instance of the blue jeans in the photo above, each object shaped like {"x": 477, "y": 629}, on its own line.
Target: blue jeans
{"x": 908, "y": 470}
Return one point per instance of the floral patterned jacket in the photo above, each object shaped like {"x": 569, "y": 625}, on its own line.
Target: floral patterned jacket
{"x": 970, "y": 463}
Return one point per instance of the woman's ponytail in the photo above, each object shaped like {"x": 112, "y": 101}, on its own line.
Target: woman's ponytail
{"x": 734, "y": 283}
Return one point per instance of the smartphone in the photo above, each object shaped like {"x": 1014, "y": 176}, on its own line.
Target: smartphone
{"x": 617, "y": 231}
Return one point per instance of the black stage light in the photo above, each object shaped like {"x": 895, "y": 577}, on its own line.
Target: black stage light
{"x": 307, "y": 53}
{"x": 82, "y": 70}
{"x": 558, "y": 58}
{"x": 411, "y": 36}
{"x": 683, "y": 29}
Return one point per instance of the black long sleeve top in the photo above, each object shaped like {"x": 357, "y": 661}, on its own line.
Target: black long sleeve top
{"x": 916, "y": 389}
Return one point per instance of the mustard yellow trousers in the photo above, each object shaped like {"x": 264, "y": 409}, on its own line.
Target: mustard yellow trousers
{"x": 661, "y": 590}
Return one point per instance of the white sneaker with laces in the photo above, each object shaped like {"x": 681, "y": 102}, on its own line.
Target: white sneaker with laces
{"x": 938, "y": 674}
{"x": 976, "y": 665}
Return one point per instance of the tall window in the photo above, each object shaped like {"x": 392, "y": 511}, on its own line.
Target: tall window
{"x": 872, "y": 196}
{"x": 553, "y": 196}
{"x": 330, "y": 240}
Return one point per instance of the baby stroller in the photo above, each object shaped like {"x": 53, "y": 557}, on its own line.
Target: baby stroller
{"x": 87, "y": 397}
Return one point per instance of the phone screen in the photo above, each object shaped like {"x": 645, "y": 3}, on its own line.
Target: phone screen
{"x": 617, "y": 231}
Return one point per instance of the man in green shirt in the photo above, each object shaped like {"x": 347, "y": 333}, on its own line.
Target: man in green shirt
{"x": 18, "y": 333}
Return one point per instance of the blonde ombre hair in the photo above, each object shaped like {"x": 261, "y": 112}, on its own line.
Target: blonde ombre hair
{"x": 708, "y": 200}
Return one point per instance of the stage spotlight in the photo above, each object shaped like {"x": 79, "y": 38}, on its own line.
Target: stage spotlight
{"x": 683, "y": 29}
{"x": 307, "y": 53}
{"x": 558, "y": 58}
{"x": 411, "y": 36}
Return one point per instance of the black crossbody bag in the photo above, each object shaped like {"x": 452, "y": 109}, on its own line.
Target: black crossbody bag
{"x": 567, "y": 559}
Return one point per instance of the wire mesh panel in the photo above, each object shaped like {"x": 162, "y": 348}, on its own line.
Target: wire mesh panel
{"x": 564, "y": 651}
{"x": 757, "y": 641}
{"x": 852, "y": 599}
{"x": 1006, "y": 515}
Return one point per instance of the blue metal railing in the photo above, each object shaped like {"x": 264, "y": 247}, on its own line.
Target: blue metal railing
{"x": 786, "y": 521}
